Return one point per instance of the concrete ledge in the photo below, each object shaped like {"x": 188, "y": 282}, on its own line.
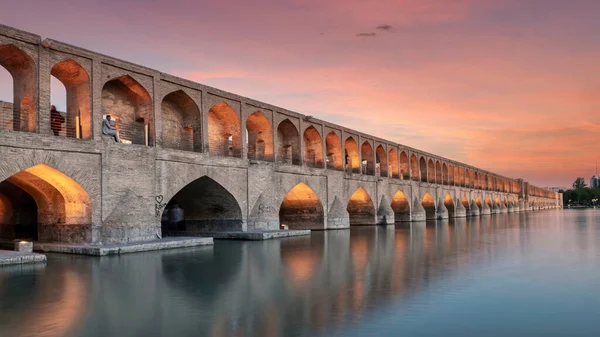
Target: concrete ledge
{"x": 8, "y": 257}
{"x": 250, "y": 236}
{"x": 126, "y": 248}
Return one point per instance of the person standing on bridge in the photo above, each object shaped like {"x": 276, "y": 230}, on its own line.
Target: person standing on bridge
{"x": 110, "y": 130}
{"x": 56, "y": 120}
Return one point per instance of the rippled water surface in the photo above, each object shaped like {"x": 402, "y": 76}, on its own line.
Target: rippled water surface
{"x": 535, "y": 274}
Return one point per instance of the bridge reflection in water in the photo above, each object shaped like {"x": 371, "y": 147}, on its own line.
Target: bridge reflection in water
{"x": 301, "y": 286}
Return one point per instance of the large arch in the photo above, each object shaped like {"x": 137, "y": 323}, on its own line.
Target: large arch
{"x": 22, "y": 68}
{"x": 401, "y": 207}
{"x": 43, "y": 203}
{"x": 361, "y": 208}
{"x": 313, "y": 148}
{"x": 224, "y": 131}
{"x": 77, "y": 84}
{"x": 393, "y": 164}
{"x": 414, "y": 168}
{"x": 430, "y": 171}
{"x": 465, "y": 202}
{"x": 181, "y": 122}
{"x": 259, "y": 137}
{"x": 404, "y": 166}
{"x": 381, "y": 161}
{"x": 449, "y": 203}
{"x": 288, "y": 139}
{"x": 130, "y": 105}
{"x": 352, "y": 158}
{"x": 207, "y": 206}
{"x": 429, "y": 205}
{"x": 438, "y": 173}
{"x": 368, "y": 160}
{"x": 302, "y": 209}
{"x": 423, "y": 169}
{"x": 334, "y": 151}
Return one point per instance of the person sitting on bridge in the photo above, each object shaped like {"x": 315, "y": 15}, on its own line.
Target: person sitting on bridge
{"x": 56, "y": 120}
{"x": 109, "y": 130}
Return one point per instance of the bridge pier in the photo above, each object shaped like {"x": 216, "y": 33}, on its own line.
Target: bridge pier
{"x": 473, "y": 209}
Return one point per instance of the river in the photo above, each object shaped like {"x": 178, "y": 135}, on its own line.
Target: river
{"x": 521, "y": 274}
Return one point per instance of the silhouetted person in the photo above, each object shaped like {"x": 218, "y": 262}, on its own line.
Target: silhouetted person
{"x": 56, "y": 120}
{"x": 176, "y": 215}
{"x": 110, "y": 130}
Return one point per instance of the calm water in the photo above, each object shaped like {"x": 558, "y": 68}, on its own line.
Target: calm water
{"x": 535, "y": 274}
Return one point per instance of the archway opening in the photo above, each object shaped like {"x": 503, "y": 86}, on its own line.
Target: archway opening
{"x": 334, "y": 151}
{"x": 430, "y": 171}
{"x": 259, "y": 137}
{"x": 423, "y": 168}
{"x": 130, "y": 105}
{"x": 438, "y": 173}
{"x": 393, "y": 164}
{"x": 488, "y": 201}
{"x": 414, "y": 167}
{"x": 401, "y": 207}
{"x": 462, "y": 176}
{"x": 368, "y": 162}
{"x": 456, "y": 176}
{"x": 302, "y": 209}
{"x": 352, "y": 158}
{"x": 449, "y": 203}
{"x": 465, "y": 202}
{"x": 19, "y": 114}
{"x": 313, "y": 148}
{"x": 404, "y": 166}
{"x": 202, "y": 206}
{"x": 42, "y": 203}
{"x": 361, "y": 208}
{"x": 288, "y": 149}
{"x": 381, "y": 161}
{"x": 478, "y": 202}
{"x": 467, "y": 178}
{"x": 74, "y": 99}
{"x": 181, "y": 122}
{"x": 450, "y": 175}
{"x": 444, "y": 174}
{"x": 429, "y": 205}
{"x": 224, "y": 137}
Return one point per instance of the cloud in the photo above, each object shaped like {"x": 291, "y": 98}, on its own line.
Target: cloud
{"x": 385, "y": 28}
{"x": 366, "y": 35}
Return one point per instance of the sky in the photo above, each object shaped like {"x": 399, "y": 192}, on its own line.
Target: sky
{"x": 508, "y": 86}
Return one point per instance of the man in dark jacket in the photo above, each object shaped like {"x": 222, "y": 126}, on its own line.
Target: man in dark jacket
{"x": 56, "y": 120}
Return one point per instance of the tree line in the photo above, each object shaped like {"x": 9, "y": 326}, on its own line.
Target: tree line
{"x": 580, "y": 194}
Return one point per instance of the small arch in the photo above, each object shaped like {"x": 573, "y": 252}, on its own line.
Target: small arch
{"x": 438, "y": 173}
{"x": 76, "y": 82}
{"x": 462, "y": 176}
{"x": 423, "y": 169}
{"x": 302, "y": 209}
{"x": 224, "y": 131}
{"x": 352, "y": 159}
{"x": 259, "y": 137}
{"x": 430, "y": 171}
{"x": 21, "y": 113}
{"x": 478, "y": 203}
{"x": 361, "y": 208}
{"x": 467, "y": 178}
{"x": 401, "y": 207}
{"x": 465, "y": 202}
{"x": 404, "y": 166}
{"x": 181, "y": 122}
{"x": 131, "y": 106}
{"x": 456, "y": 176}
{"x": 449, "y": 203}
{"x": 313, "y": 148}
{"x": 368, "y": 162}
{"x": 393, "y": 164}
{"x": 334, "y": 151}
{"x": 414, "y": 167}
{"x": 429, "y": 205}
{"x": 444, "y": 174}
{"x": 288, "y": 148}
{"x": 207, "y": 207}
{"x": 381, "y": 161}
{"x": 450, "y": 174}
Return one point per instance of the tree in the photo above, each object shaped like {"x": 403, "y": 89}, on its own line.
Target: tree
{"x": 579, "y": 183}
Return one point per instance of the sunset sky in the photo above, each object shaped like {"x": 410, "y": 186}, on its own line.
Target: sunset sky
{"x": 505, "y": 85}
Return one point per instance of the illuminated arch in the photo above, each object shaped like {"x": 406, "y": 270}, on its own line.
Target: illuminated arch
{"x": 302, "y": 209}
{"x": 429, "y": 205}
{"x": 334, "y": 151}
{"x": 181, "y": 122}
{"x": 361, "y": 208}
{"x": 368, "y": 160}
{"x": 23, "y": 71}
{"x": 313, "y": 148}
{"x": 401, "y": 206}
{"x": 288, "y": 143}
{"x": 259, "y": 137}
{"x": 352, "y": 158}
{"x": 404, "y": 166}
{"x": 381, "y": 160}
{"x": 224, "y": 131}
{"x": 77, "y": 84}
{"x": 449, "y": 203}
{"x": 423, "y": 169}
{"x": 430, "y": 171}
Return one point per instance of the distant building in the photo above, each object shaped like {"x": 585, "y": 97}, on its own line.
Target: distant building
{"x": 594, "y": 180}
{"x": 556, "y": 189}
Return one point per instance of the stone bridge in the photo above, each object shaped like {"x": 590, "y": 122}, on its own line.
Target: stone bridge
{"x": 231, "y": 162}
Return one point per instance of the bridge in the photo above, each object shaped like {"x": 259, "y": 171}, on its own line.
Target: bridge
{"x": 232, "y": 163}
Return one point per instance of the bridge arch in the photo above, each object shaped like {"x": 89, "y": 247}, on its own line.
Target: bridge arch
{"x": 465, "y": 202}
{"x": 352, "y": 157}
{"x": 423, "y": 169}
{"x": 438, "y": 172}
{"x": 207, "y": 206}
{"x": 467, "y": 178}
{"x": 313, "y": 148}
{"x": 462, "y": 176}
{"x": 301, "y": 208}
{"x": 450, "y": 174}
{"x": 449, "y": 203}
{"x": 430, "y": 172}
{"x": 393, "y": 164}
{"x": 181, "y": 122}
{"x": 456, "y": 176}
{"x": 22, "y": 69}
{"x": 414, "y": 168}
{"x": 334, "y": 151}
{"x": 401, "y": 206}
{"x": 42, "y": 203}
{"x": 361, "y": 208}
{"x": 288, "y": 148}
{"x": 429, "y": 205}
{"x": 78, "y": 94}
{"x": 224, "y": 131}
{"x": 130, "y": 105}
{"x": 444, "y": 174}
{"x": 404, "y": 166}
{"x": 381, "y": 161}
{"x": 368, "y": 160}
{"x": 259, "y": 137}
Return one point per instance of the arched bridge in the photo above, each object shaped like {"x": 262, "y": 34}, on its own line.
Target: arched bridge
{"x": 231, "y": 162}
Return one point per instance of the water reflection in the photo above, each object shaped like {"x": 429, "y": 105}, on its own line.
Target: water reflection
{"x": 306, "y": 286}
